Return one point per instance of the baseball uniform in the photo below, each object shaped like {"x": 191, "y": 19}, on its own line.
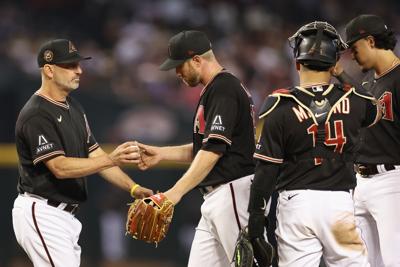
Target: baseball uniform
{"x": 43, "y": 213}
{"x": 308, "y": 140}
{"x": 223, "y": 123}
{"x": 378, "y": 165}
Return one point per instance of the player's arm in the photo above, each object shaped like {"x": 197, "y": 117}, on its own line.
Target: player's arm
{"x": 202, "y": 164}
{"x": 69, "y": 167}
{"x": 269, "y": 154}
{"x": 117, "y": 177}
{"x": 263, "y": 185}
{"x": 152, "y": 155}
{"x": 338, "y": 72}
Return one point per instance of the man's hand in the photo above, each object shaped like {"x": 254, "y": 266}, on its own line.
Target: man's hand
{"x": 125, "y": 153}
{"x": 142, "y": 192}
{"x": 149, "y": 156}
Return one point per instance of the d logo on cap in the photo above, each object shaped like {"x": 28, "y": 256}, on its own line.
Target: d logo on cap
{"x": 71, "y": 47}
{"x": 48, "y": 55}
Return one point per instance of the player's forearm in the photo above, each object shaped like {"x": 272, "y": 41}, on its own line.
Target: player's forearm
{"x": 118, "y": 178}
{"x": 183, "y": 153}
{"x": 198, "y": 170}
{"x": 67, "y": 167}
{"x": 113, "y": 175}
{"x": 344, "y": 78}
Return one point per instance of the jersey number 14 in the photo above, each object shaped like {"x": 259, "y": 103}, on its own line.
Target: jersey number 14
{"x": 338, "y": 140}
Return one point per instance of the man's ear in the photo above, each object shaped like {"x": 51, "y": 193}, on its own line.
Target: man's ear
{"x": 48, "y": 70}
{"x": 371, "y": 41}
{"x": 197, "y": 60}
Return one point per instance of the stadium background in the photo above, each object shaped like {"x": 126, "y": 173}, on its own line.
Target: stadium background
{"x": 127, "y": 98}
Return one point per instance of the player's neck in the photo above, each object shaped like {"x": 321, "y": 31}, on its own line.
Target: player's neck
{"x": 386, "y": 60}
{"x": 53, "y": 92}
{"x": 309, "y": 78}
{"x": 210, "y": 71}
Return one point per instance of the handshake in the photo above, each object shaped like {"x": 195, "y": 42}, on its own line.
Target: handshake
{"x": 133, "y": 152}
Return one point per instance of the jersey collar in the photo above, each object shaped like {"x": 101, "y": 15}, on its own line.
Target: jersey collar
{"x": 212, "y": 79}
{"x": 326, "y": 91}
{"x": 376, "y": 77}
{"x": 61, "y": 104}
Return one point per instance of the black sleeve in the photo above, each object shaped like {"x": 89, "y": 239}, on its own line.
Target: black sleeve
{"x": 221, "y": 111}
{"x": 91, "y": 140}
{"x": 371, "y": 113}
{"x": 270, "y": 144}
{"x": 349, "y": 82}
{"x": 40, "y": 135}
{"x": 344, "y": 78}
{"x": 265, "y": 178}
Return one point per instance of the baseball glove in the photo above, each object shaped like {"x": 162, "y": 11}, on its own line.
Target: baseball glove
{"x": 252, "y": 253}
{"x": 149, "y": 218}
{"x": 244, "y": 254}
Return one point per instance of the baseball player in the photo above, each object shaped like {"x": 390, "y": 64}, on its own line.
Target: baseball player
{"x": 305, "y": 152}
{"x": 56, "y": 150}
{"x": 377, "y": 195}
{"x": 222, "y": 164}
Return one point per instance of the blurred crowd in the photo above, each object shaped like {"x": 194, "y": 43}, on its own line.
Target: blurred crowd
{"x": 122, "y": 89}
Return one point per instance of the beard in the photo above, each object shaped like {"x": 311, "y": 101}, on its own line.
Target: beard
{"x": 68, "y": 85}
{"x": 192, "y": 79}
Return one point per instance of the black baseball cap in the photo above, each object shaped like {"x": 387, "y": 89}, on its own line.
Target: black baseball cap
{"x": 58, "y": 51}
{"x": 183, "y": 46}
{"x": 363, "y": 26}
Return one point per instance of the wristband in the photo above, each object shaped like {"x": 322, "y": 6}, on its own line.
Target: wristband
{"x": 134, "y": 187}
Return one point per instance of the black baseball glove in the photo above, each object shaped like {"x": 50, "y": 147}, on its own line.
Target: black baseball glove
{"x": 256, "y": 252}
{"x": 263, "y": 251}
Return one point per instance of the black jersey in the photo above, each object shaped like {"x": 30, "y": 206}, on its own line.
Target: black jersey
{"x": 380, "y": 144}
{"x": 224, "y": 122}
{"x": 290, "y": 130}
{"x": 46, "y": 128}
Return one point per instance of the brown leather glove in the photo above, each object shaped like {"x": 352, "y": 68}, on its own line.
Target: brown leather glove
{"x": 149, "y": 218}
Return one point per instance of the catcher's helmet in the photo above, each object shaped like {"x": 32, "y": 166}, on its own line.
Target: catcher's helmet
{"x": 317, "y": 45}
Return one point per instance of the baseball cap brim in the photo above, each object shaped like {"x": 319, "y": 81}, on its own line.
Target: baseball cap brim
{"x": 171, "y": 64}
{"x": 356, "y": 38}
{"x": 75, "y": 58}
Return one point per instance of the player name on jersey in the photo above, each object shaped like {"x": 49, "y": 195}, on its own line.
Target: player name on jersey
{"x": 343, "y": 107}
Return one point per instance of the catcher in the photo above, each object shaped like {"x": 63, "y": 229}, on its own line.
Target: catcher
{"x": 305, "y": 152}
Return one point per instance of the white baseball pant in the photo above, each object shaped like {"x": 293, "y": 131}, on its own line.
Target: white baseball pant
{"x": 48, "y": 235}
{"x": 377, "y": 203}
{"x": 313, "y": 223}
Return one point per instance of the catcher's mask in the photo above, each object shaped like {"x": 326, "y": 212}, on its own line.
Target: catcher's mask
{"x": 317, "y": 45}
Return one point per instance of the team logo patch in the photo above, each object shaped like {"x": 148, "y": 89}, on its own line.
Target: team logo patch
{"x": 48, "y": 55}
{"x": 43, "y": 145}
{"x": 199, "y": 121}
{"x": 217, "y": 124}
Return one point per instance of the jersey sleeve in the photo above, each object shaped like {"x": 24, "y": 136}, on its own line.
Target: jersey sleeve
{"x": 40, "y": 135}
{"x": 222, "y": 109}
{"x": 371, "y": 113}
{"x": 91, "y": 142}
{"x": 270, "y": 144}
